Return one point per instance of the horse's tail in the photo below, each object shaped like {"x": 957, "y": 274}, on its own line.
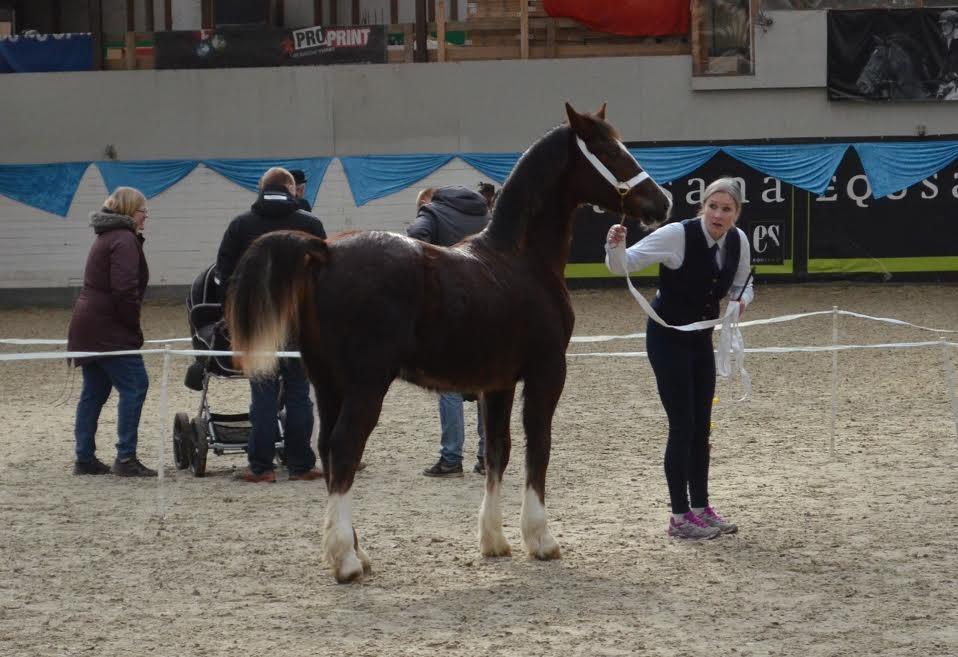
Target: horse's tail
{"x": 271, "y": 286}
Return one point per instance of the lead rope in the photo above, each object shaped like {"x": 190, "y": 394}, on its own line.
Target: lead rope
{"x": 730, "y": 336}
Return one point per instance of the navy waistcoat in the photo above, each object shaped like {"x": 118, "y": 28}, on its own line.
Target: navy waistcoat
{"x": 692, "y": 292}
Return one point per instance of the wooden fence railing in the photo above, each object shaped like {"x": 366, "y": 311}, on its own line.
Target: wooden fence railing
{"x": 518, "y": 37}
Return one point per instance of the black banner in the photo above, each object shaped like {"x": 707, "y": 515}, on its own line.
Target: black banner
{"x": 893, "y": 54}
{"x": 767, "y": 213}
{"x": 847, "y": 223}
{"x": 238, "y": 47}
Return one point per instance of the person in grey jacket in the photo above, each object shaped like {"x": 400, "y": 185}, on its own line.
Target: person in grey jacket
{"x": 446, "y": 216}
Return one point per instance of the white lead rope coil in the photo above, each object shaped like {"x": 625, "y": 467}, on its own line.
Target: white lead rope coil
{"x": 730, "y": 336}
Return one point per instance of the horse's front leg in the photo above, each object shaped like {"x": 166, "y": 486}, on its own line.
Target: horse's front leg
{"x": 342, "y": 454}
{"x": 496, "y": 408}
{"x": 541, "y": 397}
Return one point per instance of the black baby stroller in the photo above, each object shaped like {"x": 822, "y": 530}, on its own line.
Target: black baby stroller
{"x": 220, "y": 432}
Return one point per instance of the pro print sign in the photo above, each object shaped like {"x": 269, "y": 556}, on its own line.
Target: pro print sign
{"x": 352, "y": 44}
{"x": 267, "y": 46}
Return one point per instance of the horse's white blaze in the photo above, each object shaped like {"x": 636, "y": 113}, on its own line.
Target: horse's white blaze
{"x": 492, "y": 542}
{"x": 338, "y": 538}
{"x": 535, "y": 534}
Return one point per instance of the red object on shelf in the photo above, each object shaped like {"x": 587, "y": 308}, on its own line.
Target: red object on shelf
{"x": 625, "y": 17}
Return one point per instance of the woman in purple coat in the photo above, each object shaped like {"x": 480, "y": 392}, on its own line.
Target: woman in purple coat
{"x": 106, "y": 317}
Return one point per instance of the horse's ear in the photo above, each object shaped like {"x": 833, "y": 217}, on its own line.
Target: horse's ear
{"x": 579, "y": 124}
{"x": 601, "y": 112}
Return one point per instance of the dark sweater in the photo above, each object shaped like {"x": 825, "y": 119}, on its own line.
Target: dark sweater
{"x": 453, "y": 214}
{"x": 273, "y": 210}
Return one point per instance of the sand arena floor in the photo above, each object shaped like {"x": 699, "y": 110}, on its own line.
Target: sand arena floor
{"x": 854, "y": 556}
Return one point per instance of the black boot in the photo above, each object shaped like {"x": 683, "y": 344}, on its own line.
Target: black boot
{"x": 94, "y": 467}
{"x": 443, "y": 469}
{"x": 131, "y": 467}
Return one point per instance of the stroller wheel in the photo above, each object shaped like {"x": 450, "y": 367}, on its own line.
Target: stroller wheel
{"x": 200, "y": 448}
{"x": 182, "y": 441}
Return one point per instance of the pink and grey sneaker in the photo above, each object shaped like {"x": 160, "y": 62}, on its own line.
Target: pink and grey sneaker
{"x": 711, "y": 518}
{"x": 691, "y": 527}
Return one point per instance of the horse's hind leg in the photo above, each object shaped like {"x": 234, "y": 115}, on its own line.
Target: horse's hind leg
{"x": 497, "y": 411}
{"x": 357, "y": 418}
{"x": 541, "y": 397}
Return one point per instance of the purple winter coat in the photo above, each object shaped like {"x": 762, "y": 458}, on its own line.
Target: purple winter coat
{"x": 106, "y": 316}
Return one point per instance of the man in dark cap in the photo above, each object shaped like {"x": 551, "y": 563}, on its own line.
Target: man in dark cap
{"x": 276, "y": 208}
{"x": 300, "y": 177}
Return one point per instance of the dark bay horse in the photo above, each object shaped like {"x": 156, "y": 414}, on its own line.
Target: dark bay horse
{"x": 478, "y": 317}
{"x": 897, "y": 69}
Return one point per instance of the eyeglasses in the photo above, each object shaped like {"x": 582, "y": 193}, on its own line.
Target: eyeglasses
{"x": 143, "y": 210}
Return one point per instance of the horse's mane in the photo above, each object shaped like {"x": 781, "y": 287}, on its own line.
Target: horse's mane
{"x": 520, "y": 194}
{"x": 914, "y": 49}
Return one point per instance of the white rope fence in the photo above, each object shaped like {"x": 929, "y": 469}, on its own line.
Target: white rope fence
{"x": 835, "y": 347}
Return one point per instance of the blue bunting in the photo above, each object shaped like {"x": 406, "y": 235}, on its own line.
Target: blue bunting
{"x": 246, "y": 173}
{"x": 375, "y": 176}
{"x": 890, "y": 167}
{"x": 667, "y": 163}
{"x": 497, "y": 166}
{"x": 893, "y": 167}
{"x": 49, "y": 187}
{"x": 809, "y": 166}
{"x": 149, "y": 176}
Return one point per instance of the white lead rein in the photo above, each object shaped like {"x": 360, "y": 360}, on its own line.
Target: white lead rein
{"x": 730, "y": 336}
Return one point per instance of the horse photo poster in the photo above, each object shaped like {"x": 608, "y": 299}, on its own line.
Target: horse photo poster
{"x": 893, "y": 54}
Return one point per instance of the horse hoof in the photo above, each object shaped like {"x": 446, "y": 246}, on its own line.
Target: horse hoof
{"x": 547, "y": 550}
{"x": 495, "y": 548}
{"x": 548, "y": 555}
{"x": 350, "y": 570}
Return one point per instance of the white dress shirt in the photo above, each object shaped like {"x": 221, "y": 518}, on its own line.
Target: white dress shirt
{"x": 666, "y": 245}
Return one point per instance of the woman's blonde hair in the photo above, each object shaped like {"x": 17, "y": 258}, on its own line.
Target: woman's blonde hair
{"x": 124, "y": 200}
{"x": 728, "y": 185}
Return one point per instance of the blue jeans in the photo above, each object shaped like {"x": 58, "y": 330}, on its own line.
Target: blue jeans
{"x": 128, "y": 375}
{"x": 263, "y": 413}
{"x": 453, "y": 429}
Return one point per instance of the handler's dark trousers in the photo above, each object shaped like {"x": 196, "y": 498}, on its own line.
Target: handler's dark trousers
{"x": 684, "y": 366}
{"x": 263, "y": 412}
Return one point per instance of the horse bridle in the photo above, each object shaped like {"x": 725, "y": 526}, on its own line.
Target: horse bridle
{"x": 621, "y": 187}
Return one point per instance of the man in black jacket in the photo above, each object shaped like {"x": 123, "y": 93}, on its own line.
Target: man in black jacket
{"x": 276, "y": 208}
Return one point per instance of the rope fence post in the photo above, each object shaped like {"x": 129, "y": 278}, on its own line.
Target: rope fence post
{"x": 950, "y": 381}
{"x": 164, "y": 425}
{"x": 831, "y": 442}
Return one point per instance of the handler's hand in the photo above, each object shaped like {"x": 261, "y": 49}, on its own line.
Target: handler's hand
{"x": 616, "y": 236}
{"x": 741, "y": 308}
